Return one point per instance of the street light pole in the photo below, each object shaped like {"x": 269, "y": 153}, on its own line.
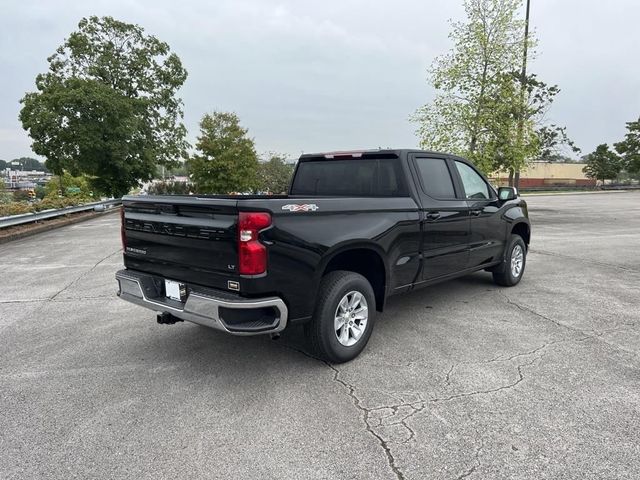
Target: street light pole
{"x": 523, "y": 81}
{"x": 523, "y": 74}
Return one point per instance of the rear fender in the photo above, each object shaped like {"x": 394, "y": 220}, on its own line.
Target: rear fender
{"x": 359, "y": 245}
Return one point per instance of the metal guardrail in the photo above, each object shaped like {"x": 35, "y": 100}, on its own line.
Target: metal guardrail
{"x": 14, "y": 220}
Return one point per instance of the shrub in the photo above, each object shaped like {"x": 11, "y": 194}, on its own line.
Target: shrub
{"x": 170, "y": 187}
{"x": 5, "y": 196}
{"x": 15, "y": 208}
{"x": 48, "y": 203}
{"x": 72, "y": 186}
{"x": 60, "y": 202}
{"x": 21, "y": 196}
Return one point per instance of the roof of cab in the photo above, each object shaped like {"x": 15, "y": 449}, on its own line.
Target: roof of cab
{"x": 367, "y": 153}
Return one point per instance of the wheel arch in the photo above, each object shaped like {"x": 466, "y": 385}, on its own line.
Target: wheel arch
{"x": 523, "y": 229}
{"x": 363, "y": 258}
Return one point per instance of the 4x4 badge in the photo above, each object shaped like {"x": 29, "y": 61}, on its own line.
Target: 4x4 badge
{"x": 305, "y": 207}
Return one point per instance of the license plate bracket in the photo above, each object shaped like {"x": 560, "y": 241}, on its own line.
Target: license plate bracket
{"x": 175, "y": 290}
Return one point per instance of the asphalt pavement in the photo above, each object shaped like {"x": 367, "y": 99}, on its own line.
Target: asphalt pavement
{"x": 461, "y": 380}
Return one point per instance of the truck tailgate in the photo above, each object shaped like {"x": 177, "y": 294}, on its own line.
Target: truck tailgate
{"x": 183, "y": 238}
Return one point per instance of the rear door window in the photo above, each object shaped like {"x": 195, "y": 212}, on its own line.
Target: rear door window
{"x": 435, "y": 178}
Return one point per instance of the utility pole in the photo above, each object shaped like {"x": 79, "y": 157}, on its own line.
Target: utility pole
{"x": 523, "y": 82}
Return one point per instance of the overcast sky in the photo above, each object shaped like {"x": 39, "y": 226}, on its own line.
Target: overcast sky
{"x": 335, "y": 74}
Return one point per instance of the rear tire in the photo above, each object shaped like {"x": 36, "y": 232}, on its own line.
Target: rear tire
{"x": 512, "y": 269}
{"x": 343, "y": 318}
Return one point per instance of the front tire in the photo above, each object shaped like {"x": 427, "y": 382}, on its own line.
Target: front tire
{"x": 512, "y": 269}
{"x": 343, "y": 317}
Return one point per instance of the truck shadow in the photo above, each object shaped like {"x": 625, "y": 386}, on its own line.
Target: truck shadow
{"x": 442, "y": 296}
{"x": 209, "y": 352}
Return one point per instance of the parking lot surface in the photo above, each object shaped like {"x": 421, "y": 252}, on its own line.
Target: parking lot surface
{"x": 461, "y": 380}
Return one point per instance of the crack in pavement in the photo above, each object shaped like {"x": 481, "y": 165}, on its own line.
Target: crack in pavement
{"x": 508, "y": 386}
{"x": 406, "y": 410}
{"x": 533, "y": 312}
{"x": 619, "y": 348}
{"x": 496, "y": 359}
{"x": 30, "y": 300}
{"x": 492, "y": 390}
{"x": 585, "y": 261}
{"x": 83, "y": 274}
{"x": 366, "y": 412}
{"x": 523, "y": 354}
{"x": 403, "y": 421}
{"x": 470, "y": 471}
{"x": 358, "y": 404}
{"x": 58, "y": 300}
{"x": 447, "y": 379}
{"x": 595, "y": 334}
{"x": 418, "y": 406}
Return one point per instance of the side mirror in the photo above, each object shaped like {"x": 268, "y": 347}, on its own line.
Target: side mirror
{"x": 507, "y": 193}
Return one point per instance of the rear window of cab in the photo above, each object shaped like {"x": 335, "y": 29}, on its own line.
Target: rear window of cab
{"x": 364, "y": 177}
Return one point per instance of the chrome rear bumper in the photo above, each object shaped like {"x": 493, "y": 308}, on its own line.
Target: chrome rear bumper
{"x": 220, "y": 310}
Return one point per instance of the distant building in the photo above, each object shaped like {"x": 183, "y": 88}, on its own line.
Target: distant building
{"x": 23, "y": 180}
{"x": 549, "y": 174}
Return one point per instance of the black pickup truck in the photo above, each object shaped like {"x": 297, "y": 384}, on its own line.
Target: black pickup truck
{"x": 355, "y": 228}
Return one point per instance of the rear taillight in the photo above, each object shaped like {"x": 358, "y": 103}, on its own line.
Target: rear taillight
{"x": 123, "y": 233}
{"x": 252, "y": 255}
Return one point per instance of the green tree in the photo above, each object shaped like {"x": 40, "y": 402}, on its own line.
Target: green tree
{"x": 3, "y": 164}
{"x": 560, "y": 158}
{"x": 28, "y": 163}
{"x": 518, "y": 128}
{"x": 226, "y": 160}
{"x": 274, "y": 174}
{"x": 41, "y": 192}
{"x": 553, "y": 143}
{"x": 629, "y": 148}
{"x": 485, "y": 109}
{"x": 68, "y": 185}
{"x": 508, "y": 139}
{"x": 107, "y": 107}
{"x": 467, "y": 79}
{"x": 603, "y": 164}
